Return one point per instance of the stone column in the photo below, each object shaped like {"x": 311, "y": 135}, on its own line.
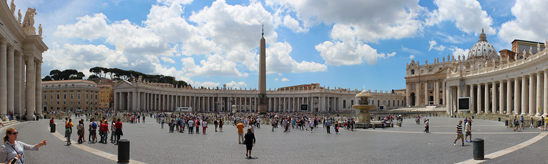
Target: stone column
{"x": 494, "y": 98}
{"x": 447, "y": 102}
{"x": 443, "y": 94}
{"x": 545, "y": 93}
{"x": 31, "y": 82}
{"x": 539, "y": 94}
{"x": 3, "y": 79}
{"x": 501, "y": 97}
{"x": 426, "y": 102}
{"x": 479, "y": 98}
{"x": 517, "y": 98}
{"x": 38, "y": 89}
{"x": 472, "y": 99}
{"x": 532, "y": 94}
{"x": 509, "y": 97}
{"x": 18, "y": 84}
{"x": 10, "y": 79}
{"x": 436, "y": 92}
{"x": 524, "y": 95}
{"x": 486, "y": 98}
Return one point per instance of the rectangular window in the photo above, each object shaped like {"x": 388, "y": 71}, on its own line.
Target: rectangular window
{"x": 51, "y": 95}
{"x": 72, "y": 96}
{"x": 78, "y": 96}
{"x": 412, "y": 86}
{"x": 58, "y": 96}
{"x": 87, "y": 96}
{"x": 344, "y": 103}
{"x": 65, "y": 96}
{"x": 45, "y": 97}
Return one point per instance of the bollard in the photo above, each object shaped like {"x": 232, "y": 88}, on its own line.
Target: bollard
{"x": 52, "y": 127}
{"x": 539, "y": 123}
{"x": 499, "y": 119}
{"x": 506, "y": 123}
{"x": 478, "y": 149}
{"x": 123, "y": 151}
{"x": 472, "y": 117}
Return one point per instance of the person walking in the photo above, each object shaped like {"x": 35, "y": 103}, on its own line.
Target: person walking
{"x": 427, "y": 126}
{"x": 113, "y": 130}
{"x": 328, "y": 126}
{"x": 105, "y": 131}
{"x": 92, "y": 131}
{"x": 468, "y": 131}
{"x": 216, "y": 124}
{"x": 545, "y": 122}
{"x": 522, "y": 124}
{"x": 459, "y": 133}
{"x": 204, "y": 126}
{"x": 197, "y": 126}
{"x": 240, "y": 127}
{"x": 516, "y": 124}
{"x": 13, "y": 148}
{"x": 336, "y": 127}
{"x": 249, "y": 141}
{"x": 221, "y": 122}
{"x": 68, "y": 131}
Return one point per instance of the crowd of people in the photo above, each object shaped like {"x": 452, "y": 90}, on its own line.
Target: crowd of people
{"x": 101, "y": 126}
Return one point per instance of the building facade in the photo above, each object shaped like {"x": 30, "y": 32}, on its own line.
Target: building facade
{"x": 426, "y": 84}
{"x": 106, "y": 94}
{"x": 20, "y": 63}
{"x": 70, "y": 95}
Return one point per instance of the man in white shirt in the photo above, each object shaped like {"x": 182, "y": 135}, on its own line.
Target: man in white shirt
{"x": 204, "y": 126}
{"x": 190, "y": 126}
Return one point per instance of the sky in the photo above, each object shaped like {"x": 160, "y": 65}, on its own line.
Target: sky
{"x": 351, "y": 44}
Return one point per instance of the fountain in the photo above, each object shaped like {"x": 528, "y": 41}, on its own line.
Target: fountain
{"x": 364, "y": 118}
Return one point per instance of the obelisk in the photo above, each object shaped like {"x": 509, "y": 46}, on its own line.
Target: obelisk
{"x": 263, "y": 101}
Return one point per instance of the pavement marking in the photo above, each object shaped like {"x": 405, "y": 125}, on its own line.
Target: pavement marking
{"x": 412, "y": 132}
{"x": 508, "y": 150}
{"x": 93, "y": 150}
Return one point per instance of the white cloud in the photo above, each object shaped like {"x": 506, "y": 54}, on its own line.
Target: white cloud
{"x": 169, "y": 60}
{"x": 467, "y": 15}
{"x": 215, "y": 65}
{"x": 82, "y": 57}
{"x": 459, "y": 52}
{"x": 234, "y": 84}
{"x": 411, "y": 57}
{"x": 293, "y": 24}
{"x": 207, "y": 84}
{"x": 529, "y": 22}
{"x": 276, "y": 79}
{"x": 285, "y": 79}
{"x": 373, "y": 20}
{"x": 347, "y": 49}
{"x": 280, "y": 74}
{"x": 434, "y": 45}
{"x": 278, "y": 59}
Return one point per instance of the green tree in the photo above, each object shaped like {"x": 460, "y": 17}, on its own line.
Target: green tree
{"x": 47, "y": 78}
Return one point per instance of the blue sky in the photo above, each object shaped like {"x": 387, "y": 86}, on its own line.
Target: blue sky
{"x": 344, "y": 43}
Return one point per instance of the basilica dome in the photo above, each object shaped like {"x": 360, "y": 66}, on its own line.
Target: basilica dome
{"x": 482, "y": 49}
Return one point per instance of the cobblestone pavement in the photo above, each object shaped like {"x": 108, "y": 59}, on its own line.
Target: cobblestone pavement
{"x": 407, "y": 144}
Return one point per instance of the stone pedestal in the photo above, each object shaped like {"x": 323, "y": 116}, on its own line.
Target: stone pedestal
{"x": 30, "y": 30}
{"x": 263, "y": 104}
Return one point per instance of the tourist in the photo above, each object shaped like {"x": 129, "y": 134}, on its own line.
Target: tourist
{"x": 101, "y": 131}
{"x": 427, "y": 126}
{"x": 468, "y": 131}
{"x": 249, "y": 141}
{"x": 197, "y": 125}
{"x": 92, "y": 131}
{"x": 311, "y": 123}
{"x": 541, "y": 123}
{"x": 327, "y": 126}
{"x": 240, "y": 127}
{"x": 204, "y": 126}
{"x": 119, "y": 131}
{"x": 162, "y": 122}
{"x": 273, "y": 124}
{"x": 105, "y": 131}
{"x": 516, "y": 124}
{"x": 221, "y": 122}
{"x": 470, "y": 121}
{"x": 459, "y": 133}
{"x": 352, "y": 123}
{"x": 13, "y": 148}
{"x": 113, "y": 130}
{"x": 80, "y": 132}
{"x": 336, "y": 127}
{"x": 216, "y": 124}
{"x": 545, "y": 122}
{"x": 190, "y": 126}
{"x": 521, "y": 121}
{"x": 68, "y": 131}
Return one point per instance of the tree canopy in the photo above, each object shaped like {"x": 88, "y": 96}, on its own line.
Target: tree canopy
{"x": 68, "y": 74}
{"x": 120, "y": 74}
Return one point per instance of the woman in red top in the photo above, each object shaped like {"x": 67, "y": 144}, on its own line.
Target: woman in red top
{"x": 118, "y": 130}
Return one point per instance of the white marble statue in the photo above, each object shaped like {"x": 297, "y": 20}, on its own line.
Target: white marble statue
{"x": 538, "y": 47}
{"x": 19, "y": 17}
{"x": 545, "y": 43}
{"x": 12, "y": 7}
{"x": 29, "y": 18}
{"x": 443, "y": 59}
{"x": 426, "y": 61}
{"x": 524, "y": 54}
{"x": 448, "y": 58}
{"x": 531, "y": 50}
{"x": 40, "y": 34}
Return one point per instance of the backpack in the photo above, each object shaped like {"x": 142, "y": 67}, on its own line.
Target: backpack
{"x": 198, "y": 123}
{"x": 93, "y": 126}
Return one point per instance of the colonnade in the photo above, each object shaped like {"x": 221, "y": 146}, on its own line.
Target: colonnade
{"x": 521, "y": 95}
{"x": 143, "y": 101}
{"x": 421, "y": 91}
{"x": 17, "y": 95}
